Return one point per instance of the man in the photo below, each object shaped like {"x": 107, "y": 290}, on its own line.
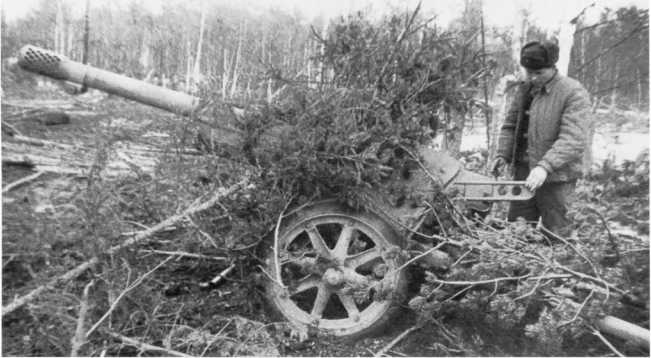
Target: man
{"x": 543, "y": 137}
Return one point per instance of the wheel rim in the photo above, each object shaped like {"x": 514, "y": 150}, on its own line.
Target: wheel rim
{"x": 339, "y": 273}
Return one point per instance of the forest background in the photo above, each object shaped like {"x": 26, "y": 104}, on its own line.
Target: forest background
{"x": 250, "y": 50}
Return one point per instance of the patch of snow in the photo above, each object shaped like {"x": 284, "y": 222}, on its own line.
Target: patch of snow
{"x": 619, "y": 146}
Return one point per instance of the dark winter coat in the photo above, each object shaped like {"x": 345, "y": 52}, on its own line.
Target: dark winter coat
{"x": 558, "y": 125}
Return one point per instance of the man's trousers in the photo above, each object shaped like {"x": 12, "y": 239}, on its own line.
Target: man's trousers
{"x": 549, "y": 202}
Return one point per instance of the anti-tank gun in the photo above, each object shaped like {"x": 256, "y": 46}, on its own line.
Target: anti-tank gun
{"x": 342, "y": 249}
{"x": 446, "y": 170}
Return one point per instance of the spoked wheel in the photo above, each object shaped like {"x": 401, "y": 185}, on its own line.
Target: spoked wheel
{"x": 338, "y": 270}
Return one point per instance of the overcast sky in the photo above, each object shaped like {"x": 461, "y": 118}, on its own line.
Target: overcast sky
{"x": 547, "y": 14}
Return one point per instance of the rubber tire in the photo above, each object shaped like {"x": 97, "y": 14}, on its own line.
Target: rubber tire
{"x": 386, "y": 230}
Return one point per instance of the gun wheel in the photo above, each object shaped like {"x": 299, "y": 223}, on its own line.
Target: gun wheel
{"x": 337, "y": 271}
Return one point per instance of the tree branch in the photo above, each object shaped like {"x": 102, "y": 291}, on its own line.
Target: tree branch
{"x": 123, "y": 293}
{"x": 79, "y": 339}
{"x": 395, "y": 341}
{"x": 145, "y": 346}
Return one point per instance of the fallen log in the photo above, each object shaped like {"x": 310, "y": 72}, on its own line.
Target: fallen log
{"x": 624, "y": 330}
{"x": 74, "y": 273}
{"x": 20, "y": 182}
{"x": 79, "y": 159}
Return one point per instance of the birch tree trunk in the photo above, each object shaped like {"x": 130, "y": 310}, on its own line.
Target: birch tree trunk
{"x": 266, "y": 56}
{"x": 308, "y": 63}
{"x": 197, "y": 61}
{"x": 269, "y": 86}
{"x": 58, "y": 28}
{"x": 565, "y": 41}
{"x": 502, "y": 96}
{"x": 145, "y": 55}
{"x": 238, "y": 54}
{"x": 520, "y": 25}
{"x": 70, "y": 40}
{"x": 321, "y": 70}
{"x": 225, "y": 73}
{"x": 188, "y": 66}
{"x": 639, "y": 89}
{"x": 487, "y": 112}
{"x": 84, "y": 58}
{"x": 613, "y": 80}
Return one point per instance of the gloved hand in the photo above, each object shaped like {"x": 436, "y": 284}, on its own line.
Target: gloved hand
{"x": 497, "y": 165}
{"x": 536, "y": 178}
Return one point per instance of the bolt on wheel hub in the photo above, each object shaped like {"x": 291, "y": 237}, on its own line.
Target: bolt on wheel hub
{"x": 333, "y": 277}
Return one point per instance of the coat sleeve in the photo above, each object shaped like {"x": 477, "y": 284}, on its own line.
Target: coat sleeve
{"x": 506, "y": 139}
{"x": 571, "y": 141}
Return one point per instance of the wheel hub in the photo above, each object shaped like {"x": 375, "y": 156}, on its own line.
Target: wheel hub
{"x": 333, "y": 277}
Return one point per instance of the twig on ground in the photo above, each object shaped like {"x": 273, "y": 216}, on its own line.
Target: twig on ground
{"x": 609, "y": 286}
{"x": 449, "y": 336}
{"x": 145, "y": 346}
{"x": 534, "y": 289}
{"x": 461, "y": 291}
{"x": 482, "y": 282}
{"x": 40, "y": 142}
{"x": 437, "y": 218}
{"x": 12, "y": 130}
{"x": 395, "y": 341}
{"x": 613, "y": 244}
{"x": 11, "y": 258}
{"x": 236, "y": 351}
{"x": 217, "y": 337}
{"x": 461, "y": 257}
{"x": 185, "y": 254}
{"x": 421, "y": 255}
{"x": 269, "y": 275}
{"x": 145, "y": 227}
{"x": 79, "y": 339}
{"x": 141, "y": 225}
{"x": 205, "y": 234}
{"x": 21, "y": 181}
{"x": 606, "y": 342}
{"x": 417, "y": 225}
{"x": 397, "y": 353}
{"x": 20, "y": 301}
{"x": 219, "y": 277}
{"x": 574, "y": 248}
{"x": 578, "y": 311}
{"x": 123, "y": 293}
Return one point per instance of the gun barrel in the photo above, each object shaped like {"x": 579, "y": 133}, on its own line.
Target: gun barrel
{"x": 51, "y": 64}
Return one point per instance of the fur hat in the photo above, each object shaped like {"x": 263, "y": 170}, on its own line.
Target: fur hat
{"x": 536, "y": 55}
